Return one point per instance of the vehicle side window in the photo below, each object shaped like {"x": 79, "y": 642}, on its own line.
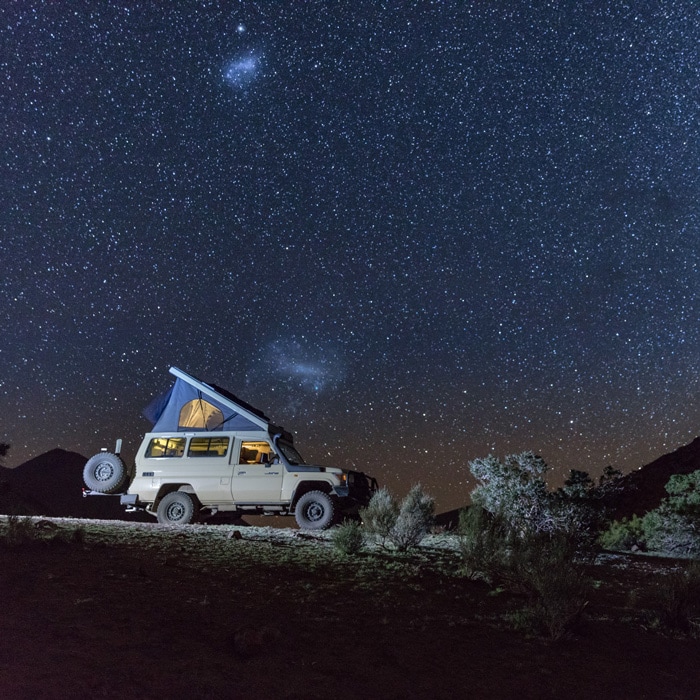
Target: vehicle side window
{"x": 208, "y": 447}
{"x": 166, "y": 447}
{"x": 258, "y": 452}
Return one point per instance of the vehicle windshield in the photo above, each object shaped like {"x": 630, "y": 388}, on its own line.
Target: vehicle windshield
{"x": 290, "y": 454}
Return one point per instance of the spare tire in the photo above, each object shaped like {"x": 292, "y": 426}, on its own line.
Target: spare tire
{"x": 105, "y": 473}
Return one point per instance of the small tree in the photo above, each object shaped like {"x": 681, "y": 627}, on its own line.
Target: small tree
{"x": 516, "y": 491}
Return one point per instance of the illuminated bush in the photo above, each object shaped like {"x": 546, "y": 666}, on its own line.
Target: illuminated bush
{"x": 402, "y": 526}
{"x": 380, "y": 515}
{"x": 414, "y": 520}
{"x": 674, "y": 527}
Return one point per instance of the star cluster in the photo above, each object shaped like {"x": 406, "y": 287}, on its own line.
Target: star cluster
{"x": 413, "y": 235}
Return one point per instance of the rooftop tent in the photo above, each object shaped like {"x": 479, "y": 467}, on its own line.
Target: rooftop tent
{"x": 193, "y": 405}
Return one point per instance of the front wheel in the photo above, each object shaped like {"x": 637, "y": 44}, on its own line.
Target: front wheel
{"x": 176, "y": 508}
{"x": 314, "y": 511}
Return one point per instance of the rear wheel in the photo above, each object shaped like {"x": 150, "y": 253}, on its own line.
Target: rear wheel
{"x": 176, "y": 508}
{"x": 105, "y": 473}
{"x": 314, "y": 511}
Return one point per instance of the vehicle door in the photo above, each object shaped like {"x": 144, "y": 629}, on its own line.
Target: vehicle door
{"x": 257, "y": 478}
{"x": 209, "y": 468}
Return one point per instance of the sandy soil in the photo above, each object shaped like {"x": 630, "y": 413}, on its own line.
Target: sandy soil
{"x": 147, "y": 611}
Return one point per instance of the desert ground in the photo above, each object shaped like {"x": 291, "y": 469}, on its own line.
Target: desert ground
{"x": 109, "y": 609}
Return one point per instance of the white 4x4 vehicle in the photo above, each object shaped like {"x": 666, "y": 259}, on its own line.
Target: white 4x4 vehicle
{"x": 210, "y": 452}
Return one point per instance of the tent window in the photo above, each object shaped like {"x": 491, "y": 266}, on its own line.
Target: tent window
{"x": 200, "y": 414}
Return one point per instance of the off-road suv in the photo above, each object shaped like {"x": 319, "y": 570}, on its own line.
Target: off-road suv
{"x": 210, "y": 452}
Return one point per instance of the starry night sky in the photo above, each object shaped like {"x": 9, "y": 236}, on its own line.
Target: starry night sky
{"x": 412, "y": 233}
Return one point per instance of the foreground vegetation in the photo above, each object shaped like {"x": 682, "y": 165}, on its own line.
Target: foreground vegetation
{"x": 522, "y": 577}
{"x": 221, "y": 611}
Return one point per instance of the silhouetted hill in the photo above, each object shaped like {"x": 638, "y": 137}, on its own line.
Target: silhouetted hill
{"x": 51, "y": 485}
{"x": 643, "y": 489}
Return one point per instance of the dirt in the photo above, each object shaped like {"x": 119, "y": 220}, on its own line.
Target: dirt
{"x": 148, "y": 611}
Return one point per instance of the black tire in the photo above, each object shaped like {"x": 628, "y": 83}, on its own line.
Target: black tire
{"x": 105, "y": 473}
{"x": 315, "y": 511}
{"x": 177, "y": 508}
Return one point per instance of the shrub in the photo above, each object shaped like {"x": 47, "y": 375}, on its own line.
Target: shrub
{"x": 678, "y": 600}
{"x": 380, "y": 515}
{"x": 674, "y": 527}
{"x": 547, "y": 571}
{"x": 483, "y": 544}
{"x": 520, "y": 534}
{"x": 414, "y": 519}
{"x": 516, "y": 491}
{"x": 403, "y": 526}
{"x": 347, "y": 537}
{"x": 623, "y": 535}
{"x": 671, "y": 533}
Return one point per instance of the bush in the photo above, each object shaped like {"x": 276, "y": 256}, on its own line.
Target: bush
{"x": 347, "y": 537}
{"x": 402, "y": 526}
{"x": 544, "y": 568}
{"x": 484, "y": 544}
{"x": 678, "y": 601}
{"x": 519, "y": 534}
{"x": 674, "y": 527}
{"x": 414, "y": 520}
{"x": 380, "y": 515}
{"x": 623, "y": 535}
{"x": 516, "y": 491}
{"x": 671, "y": 533}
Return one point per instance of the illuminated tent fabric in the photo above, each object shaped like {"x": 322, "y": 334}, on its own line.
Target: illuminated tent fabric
{"x": 200, "y": 414}
{"x": 193, "y": 405}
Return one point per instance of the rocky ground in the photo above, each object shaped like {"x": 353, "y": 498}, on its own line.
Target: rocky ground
{"x": 101, "y": 609}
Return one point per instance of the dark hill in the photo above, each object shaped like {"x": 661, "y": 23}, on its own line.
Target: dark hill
{"x": 643, "y": 489}
{"x": 51, "y": 485}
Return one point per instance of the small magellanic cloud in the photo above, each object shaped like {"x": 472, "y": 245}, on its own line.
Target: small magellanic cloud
{"x": 241, "y": 71}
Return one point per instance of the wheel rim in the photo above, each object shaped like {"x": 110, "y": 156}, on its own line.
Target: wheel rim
{"x": 104, "y": 471}
{"x": 315, "y": 512}
{"x": 175, "y": 511}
